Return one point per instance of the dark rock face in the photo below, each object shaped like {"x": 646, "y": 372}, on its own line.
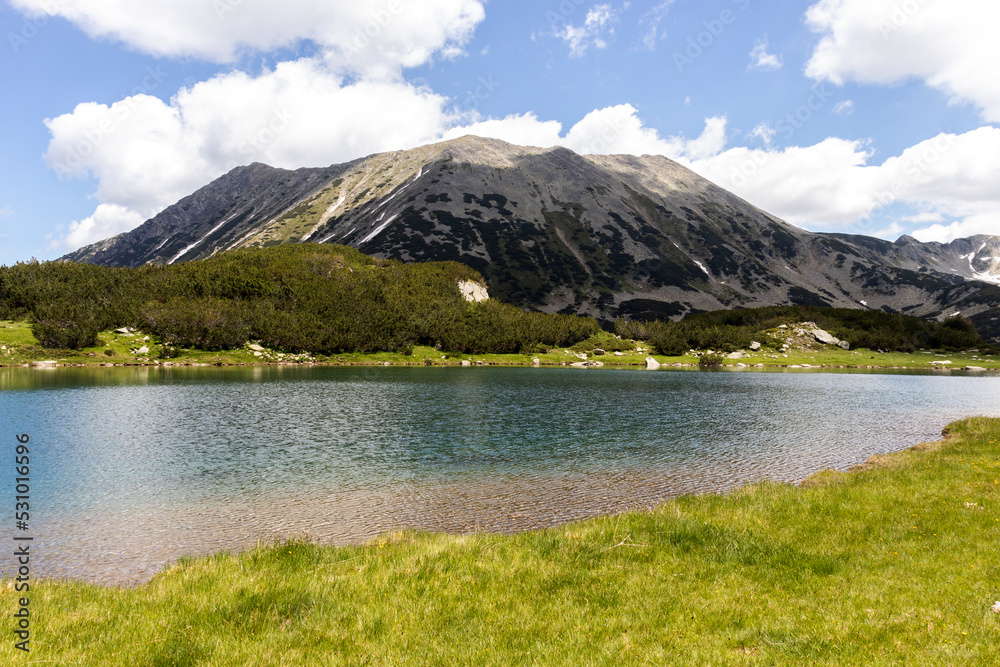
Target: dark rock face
{"x": 556, "y": 231}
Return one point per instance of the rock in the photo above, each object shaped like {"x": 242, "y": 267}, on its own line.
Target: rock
{"x": 652, "y": 364}
{"x": 466, "y": 362}
{"x": 939, "y": 363}
{"x": 581, "y": 356}
{"x": 142, "y": 350}
{"x": 579, "y": 364}
{"x": 825, "y": 338}
{"x": 386, "y": 363}
{"x": 844, "y": 344}
{"x": 619, "y": 354}
{"x": 755, "y": 346}
{"x": 258, "y": 354}
{"x": 974, "y": 368}
{"x": 598, "y": 352}
{"x": 255, "y": 347}
{"x": 735, "y": 355}
{"x": 536, "y": 362}
{"x": 783, "y": 326}
{"x": 996, "y": 607}
{"x": 473, "y": 291}
{"x": 741, "y": 365}
{"x": 123, "y": 330}
{"x": 45, "y": 364}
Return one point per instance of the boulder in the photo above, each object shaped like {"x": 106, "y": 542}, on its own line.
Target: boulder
{"x": 472, "y": 291}
{"x": 598, "y": 352}
{"x": 536, "y": 362}
{"x": 755, "y": 346}
{"x": 652, "y": 364}
{"x": 974, "y": 368}
{"x": 825, "y": 337}
{"x": 142, "y": 350}
{"x": 123, "y": 330}
{"x": 255, "y": 347}
{"x": 735, "y": 355}
{"x": 466, "y": 362}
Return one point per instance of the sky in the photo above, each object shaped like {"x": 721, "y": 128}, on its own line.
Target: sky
{"x": 877, "y": 117}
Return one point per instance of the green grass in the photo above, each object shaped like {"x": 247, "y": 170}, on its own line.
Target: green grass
{"x": 23, "y": 348}
{"x": 896, "y": 563}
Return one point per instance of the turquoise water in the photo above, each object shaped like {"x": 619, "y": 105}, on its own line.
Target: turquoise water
{"x": 133, "y": 467}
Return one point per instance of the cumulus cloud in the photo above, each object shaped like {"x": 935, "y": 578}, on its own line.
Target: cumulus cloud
{"x": 361, "y": 35}
{"x": 599, "y": 22}
{"x": 951, "y": 46}
{"x": 761, "y": 59}
{"x": 949, "y": 179}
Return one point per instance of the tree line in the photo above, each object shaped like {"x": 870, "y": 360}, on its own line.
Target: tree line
{"x": 323, "y": 299}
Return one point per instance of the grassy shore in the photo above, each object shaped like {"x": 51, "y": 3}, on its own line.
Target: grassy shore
{"x": 18, "y": 347}
{"x": 894, "y": 563}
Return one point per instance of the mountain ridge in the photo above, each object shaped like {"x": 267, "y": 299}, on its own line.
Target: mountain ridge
{"x": 604, "y": 235}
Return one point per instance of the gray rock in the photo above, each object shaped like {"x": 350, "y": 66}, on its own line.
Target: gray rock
{"x": 255, "y": 347}
{"x": 844, "y": 344}
{"x": 142, "y": 350}
{"x": 466, "y": 362}
{"x": 755, "y": 346}
{"x": 598, "y": 352}
{"x": 123, "y": 330}
{"x": 974, "y": 368}
{"x": 652, "y": 364}
{"x": 825, "y": 338}
{"x": 735, "y": 355}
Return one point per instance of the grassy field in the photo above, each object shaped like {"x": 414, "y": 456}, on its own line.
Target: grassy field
{"x": 895, "y": 563}
{"x": 19, "y": 347}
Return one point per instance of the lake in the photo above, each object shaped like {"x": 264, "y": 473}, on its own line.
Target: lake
{"x": 134, "y": 467}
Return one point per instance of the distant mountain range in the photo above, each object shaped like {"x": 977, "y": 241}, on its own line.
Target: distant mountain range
{"x": 552, "y": 230}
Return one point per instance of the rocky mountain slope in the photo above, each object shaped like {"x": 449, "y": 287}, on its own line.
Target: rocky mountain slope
{"x": 556, "y": 231}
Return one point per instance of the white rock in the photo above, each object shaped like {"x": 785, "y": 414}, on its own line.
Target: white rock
{"x": 142, "y": 350}
{"x": 735, "y": 355}
{"x": 652, "y": 364}
{"x": 466, "y": 362}
{"x": 996, "y": 607}
{"x": 755, "y": 346}
{"x": 619, "y": 354}
{"x": 536, "y": 361}
{"x": 255, "y": 347}
{"x": 473, "y": 291}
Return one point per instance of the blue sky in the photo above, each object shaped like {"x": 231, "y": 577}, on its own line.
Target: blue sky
{"x": 864, "y": 116}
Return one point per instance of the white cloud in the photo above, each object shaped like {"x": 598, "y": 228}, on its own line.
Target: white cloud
{"x": 653, "y": 18}
{"x": 612, "y": 130}
{"x": 362, "y": 35}
{"x": 979, "y": 224}
{"x": 832, "y": 185}
{"x": 761, "y": 59}
{"x": 951, "y": 46}
{"x": 600, "y": 20}
{"x": 764, "y": 132}
{"x": 845, "y": 108}
{"x": 107, "y": 221}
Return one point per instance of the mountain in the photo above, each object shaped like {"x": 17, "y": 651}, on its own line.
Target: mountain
{"x": 605, "y": 235}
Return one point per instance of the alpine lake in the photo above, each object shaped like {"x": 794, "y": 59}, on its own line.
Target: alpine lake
{"x": 132, "y": 468}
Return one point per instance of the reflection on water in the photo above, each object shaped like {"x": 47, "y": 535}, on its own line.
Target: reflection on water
{"x": 133, "y": 467}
